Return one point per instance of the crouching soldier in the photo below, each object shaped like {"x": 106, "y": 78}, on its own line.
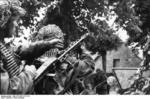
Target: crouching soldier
{"x": 83, "y": 66}
{"x": 51, "y": 38}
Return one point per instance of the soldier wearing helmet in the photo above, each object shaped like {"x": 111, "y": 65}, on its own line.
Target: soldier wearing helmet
{"x": 14, "y": 79}
{"x": 48, "y": 33}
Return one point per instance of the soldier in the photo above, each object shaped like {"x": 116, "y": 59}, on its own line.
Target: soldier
{"x": 14, "y": 79}
{"x": 114, "y": 87}
{"x": 83, "y": 66}
{"x": 49, "y": 33}
{"x": 45, "y": 44}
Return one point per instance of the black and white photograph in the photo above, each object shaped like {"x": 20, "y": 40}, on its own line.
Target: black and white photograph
{"x": 74, "y": 47}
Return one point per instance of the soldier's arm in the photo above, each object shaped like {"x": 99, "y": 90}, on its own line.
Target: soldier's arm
{"x": 85, "y": 61}
{"x": 85, "y": 64}
{"x": 36, "y": 49}
{"x": 22, "y": 83}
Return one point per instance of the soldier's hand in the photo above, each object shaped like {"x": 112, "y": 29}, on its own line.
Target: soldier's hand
{"x": 22, "y": 65}
{"x": 56, "y": 43}
{"x": 71, "y": 59}
{"x": 31, "y": 69}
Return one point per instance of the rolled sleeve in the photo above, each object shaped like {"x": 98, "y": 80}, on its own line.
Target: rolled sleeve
{"x": 21, "y": 84}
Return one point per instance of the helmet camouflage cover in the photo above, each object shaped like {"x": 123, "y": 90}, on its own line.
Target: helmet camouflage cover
{"x": 50, "y": 32}
{"x": 9, "y": 8}
{"x": 4, "y": 12}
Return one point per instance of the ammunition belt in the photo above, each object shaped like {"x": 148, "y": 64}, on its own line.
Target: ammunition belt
{"x": 50, "y": 53}
{"x": 9, "y": 61}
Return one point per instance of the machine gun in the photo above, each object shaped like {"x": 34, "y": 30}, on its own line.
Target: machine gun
{"x": 44, "y": 68}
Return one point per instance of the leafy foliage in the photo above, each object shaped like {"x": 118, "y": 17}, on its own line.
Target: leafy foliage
{"x": 75, "y": 17}
{"x": 136, "y": 20}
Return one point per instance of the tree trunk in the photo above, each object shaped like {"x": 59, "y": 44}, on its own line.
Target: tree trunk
{"x": 104, "y": 53}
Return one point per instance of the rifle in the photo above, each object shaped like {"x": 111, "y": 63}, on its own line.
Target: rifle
{"x": 44, "y": 68}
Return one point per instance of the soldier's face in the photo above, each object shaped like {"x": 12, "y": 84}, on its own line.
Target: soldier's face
{"x": 13, "y": 26}
{"x": 64, "y": 66}
{"x": 83, "y": 46}
{"x": 4, "y": 17}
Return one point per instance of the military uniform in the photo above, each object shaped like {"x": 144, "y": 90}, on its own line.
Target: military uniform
{"x": 13, "y": 80}
{"x": 46, "y": 33}
{"x": 83, "y": 67}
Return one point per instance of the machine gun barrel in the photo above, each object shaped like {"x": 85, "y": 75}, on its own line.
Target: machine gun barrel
{"x": 82, "y": 38}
